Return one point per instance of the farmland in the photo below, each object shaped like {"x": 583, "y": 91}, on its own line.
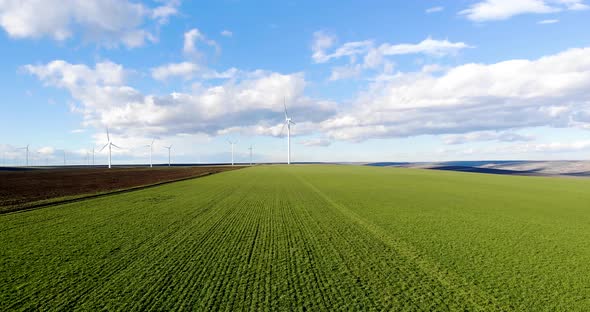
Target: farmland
{"x": 21, "y": 189}
{"x": 308, "y": 238}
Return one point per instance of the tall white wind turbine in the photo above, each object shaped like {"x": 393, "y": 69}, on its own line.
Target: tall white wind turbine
{"x": 109, "y": 144}
{"x": 27, "y": 154}
{"x": 169, "y": 148}
{"x": 288, "y": 123}
{"x": 151, "y": 146}
{"x": 232, "y": 150}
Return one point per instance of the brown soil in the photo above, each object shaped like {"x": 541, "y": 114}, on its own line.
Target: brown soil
{"x": 19, "y": 189}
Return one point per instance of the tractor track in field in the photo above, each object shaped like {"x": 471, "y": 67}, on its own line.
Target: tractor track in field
{"x": 468, "y": 292}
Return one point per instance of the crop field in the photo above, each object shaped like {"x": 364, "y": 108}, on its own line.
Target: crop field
{"x": 23, "y": 189}
{"x": 308, "y": 238}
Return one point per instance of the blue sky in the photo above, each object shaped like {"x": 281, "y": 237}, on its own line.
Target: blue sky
{"x": 424, "y": 80}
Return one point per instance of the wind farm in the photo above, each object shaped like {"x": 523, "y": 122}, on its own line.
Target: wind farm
{"x": 173, "y": 155}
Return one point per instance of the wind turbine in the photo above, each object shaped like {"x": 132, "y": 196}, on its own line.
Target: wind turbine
{"x": 232, "y": 150}
{"x": 288, "y": 123}
{"x": 169, "y": 148}
{"x": 109, "y": 144}
{"x": 27, "y": 153}
{"x": 151, "y": 146}
{"x": 250, "y": 149}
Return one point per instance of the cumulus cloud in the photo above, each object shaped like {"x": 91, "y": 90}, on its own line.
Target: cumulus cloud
{"x": 192, "y": 38}
{"x": 255, "y": 100}
{"x": 107, "y": 22}
{"x": 163, "y": 12}
{"x": 550, "y": 91}
{"x": 490, "y": 10}
{"x": 363, "y": 55}
{"x": 227, "y": 33}
{"x": 185, "y": 70}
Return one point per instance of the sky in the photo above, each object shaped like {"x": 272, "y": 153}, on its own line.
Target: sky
{"x": 364, "y": 81}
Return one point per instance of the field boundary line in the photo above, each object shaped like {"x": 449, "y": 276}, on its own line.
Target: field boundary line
{"x": 93, "y": 196}
{"x": 469, "y": 292}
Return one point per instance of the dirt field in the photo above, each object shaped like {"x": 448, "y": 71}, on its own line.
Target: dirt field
{"x": 21, "y": 189}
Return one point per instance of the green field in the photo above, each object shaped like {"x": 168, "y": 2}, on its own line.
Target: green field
{"x": 308, "y": 238}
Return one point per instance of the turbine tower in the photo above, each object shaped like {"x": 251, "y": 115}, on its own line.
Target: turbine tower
{"x": 232, "y": 150}
{"x": 288, "y": 123}
{"x": 151, "y": 146}
{"x": 169, "y": 148}
{"x": 27, "y": 155}
{"x": 109, "y": 144}
{"x": 250, "y": 148}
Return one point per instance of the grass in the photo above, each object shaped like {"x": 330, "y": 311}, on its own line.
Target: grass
{"x": 308, "y": 238}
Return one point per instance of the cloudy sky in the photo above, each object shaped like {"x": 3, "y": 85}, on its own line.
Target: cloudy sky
{"x": 427, "y": 80}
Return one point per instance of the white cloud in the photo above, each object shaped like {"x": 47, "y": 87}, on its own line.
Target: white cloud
{"x": 189, "y": 70}
{"x": 373, "y": 54}
{"x": 347, "y": 49}
{"x": 548, "y": 21}
{"x": 434, "y": 9}
{"x": 321, "y": 42}
{"x": 227, "y": 33}
{"x": 194, "y": 36}
{"x": 185, "y": 70}
{"x": 107, "y": 22}
{"x": 345, "y": 72}
{"x": 553, "y": 147}
{"x": 363, "y": 55}
{"x": 427, "y": 46}
{"x": 47, "y": 150}
{"x": 163, "y": 13}
{"x": 256, "y": 100}
{"x": 500, "y": 136}
{"x": 65, "y": 75}
{"x": 550, "y": 91}
{"x": 316, "y": 142}
{"x": 490, "y": 10}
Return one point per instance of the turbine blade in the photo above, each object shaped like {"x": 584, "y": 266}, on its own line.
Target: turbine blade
{"x": 108, "y": 136}
{"x": 282, "y": 129}
{"x": 154, "y": 140}
{"x": 285, "y": 105}
{"x": 292, "y": 122}
{"x": 103, "y": 147}
{"x": 113, "y": 144}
